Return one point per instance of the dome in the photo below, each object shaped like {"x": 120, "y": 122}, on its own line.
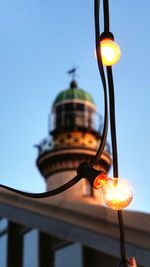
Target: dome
{"x": 73, "y": 93}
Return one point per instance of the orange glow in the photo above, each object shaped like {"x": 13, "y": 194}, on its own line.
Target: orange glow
{"x": 110, "y": 52}
{"x": 100, "y": 181}
{"x": 117, "y": 193}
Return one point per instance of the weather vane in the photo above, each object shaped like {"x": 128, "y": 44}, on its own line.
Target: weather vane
{"x": 73, "y": 72}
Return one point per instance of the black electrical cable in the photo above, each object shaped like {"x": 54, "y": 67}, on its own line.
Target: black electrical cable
{"x": 112, "y": 111}
{"x": 112, "y": 120}
{"x": 106, "y": 15}
{"x": 103, "y": 79}
{"x": 115, "y": 158}
{"x": 113, "y": 134}
{"x": 50, "y": 193}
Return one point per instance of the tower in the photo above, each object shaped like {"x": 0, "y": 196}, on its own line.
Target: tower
{"x": 74, "y": 136}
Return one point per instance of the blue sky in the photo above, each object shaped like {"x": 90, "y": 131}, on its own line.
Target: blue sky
{"x": 39, "y": 42}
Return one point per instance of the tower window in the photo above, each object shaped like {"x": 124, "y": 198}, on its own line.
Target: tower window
{"x": 80, "y": 107}
{"x": 68, "y": 107}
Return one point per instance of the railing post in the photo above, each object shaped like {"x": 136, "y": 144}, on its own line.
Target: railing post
{"x": 14, "y": 246}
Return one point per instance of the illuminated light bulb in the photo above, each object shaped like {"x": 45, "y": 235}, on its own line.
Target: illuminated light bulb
{"x": 110, "y": 51}
{"x": 117, "y": 193}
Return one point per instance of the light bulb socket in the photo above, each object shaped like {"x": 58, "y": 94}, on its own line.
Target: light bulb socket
{"x": 85, "y": 170}
{"x": 105, "y": 35}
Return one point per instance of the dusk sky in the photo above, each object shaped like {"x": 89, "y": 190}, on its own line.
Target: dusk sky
{"x": 39, "y": 42}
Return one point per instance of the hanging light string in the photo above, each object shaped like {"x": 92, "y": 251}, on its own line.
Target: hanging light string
{"x": 115, "y": 156}
{"x": 113, "y": 136}
{"x": 111, "y": 110}
{"x": 115, "y": 159}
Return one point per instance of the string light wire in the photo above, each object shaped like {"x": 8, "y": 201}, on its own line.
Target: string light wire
{"x": 113, "y": 134}
{"x": 115, "y": 158}
{"x": 103, "y": 79}
{"x": 111, "y": 110}
{"x": 50, "y": 193}
{"x": 106, "y": 15}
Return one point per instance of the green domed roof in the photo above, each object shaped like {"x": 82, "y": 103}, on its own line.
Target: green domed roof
{"x": 73, "y": 93}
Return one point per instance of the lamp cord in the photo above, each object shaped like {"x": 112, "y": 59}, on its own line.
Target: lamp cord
{"x": 50, "y": 193}
{"x": 115, "y": 158}
{"x": 111, "y": 110}
{"x": 103, "y": 79}
{"x": 112, "y": 120}
{"x": 106, "y": 15}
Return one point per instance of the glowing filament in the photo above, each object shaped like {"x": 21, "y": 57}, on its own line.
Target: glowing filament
{"x": 110, "y": 52}
{"x": 117, "y": 193}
